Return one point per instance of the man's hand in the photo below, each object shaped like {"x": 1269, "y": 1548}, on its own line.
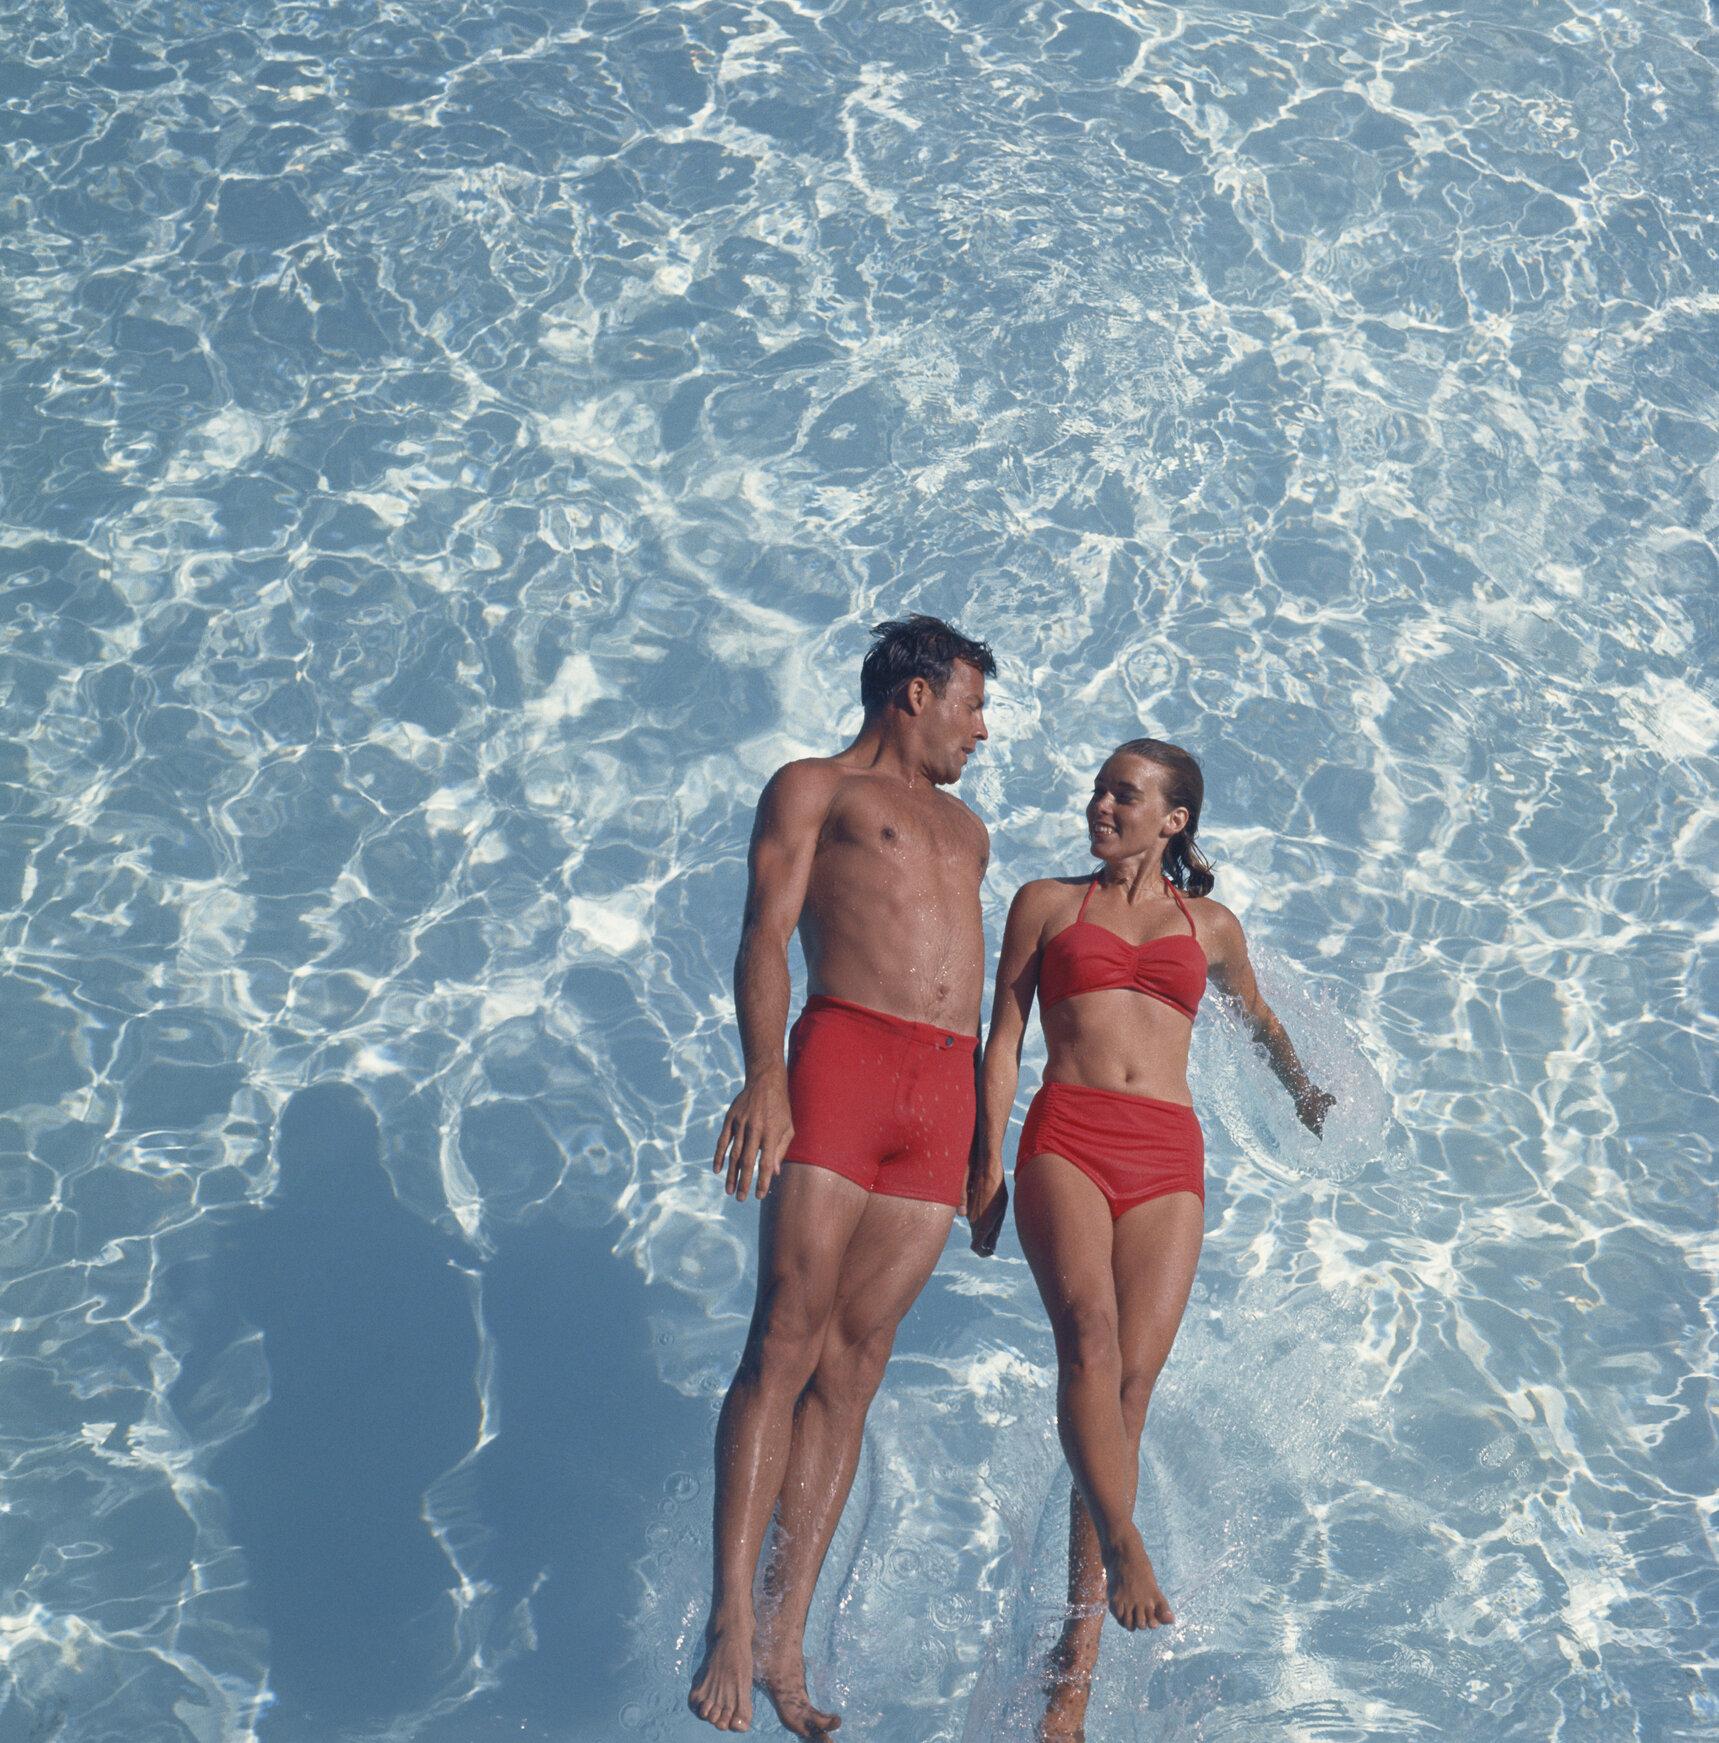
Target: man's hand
{"x": 1311, "y": 1107}
{"x": 987, "y": 1199}
{"x": 756, "y": 1134}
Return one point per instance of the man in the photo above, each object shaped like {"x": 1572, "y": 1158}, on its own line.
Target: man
{"x": 860, "y": 1145}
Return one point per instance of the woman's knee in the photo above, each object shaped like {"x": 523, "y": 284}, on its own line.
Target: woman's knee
{"x": 1087, "y": 1339}
{"x": 1136, "y": 1396}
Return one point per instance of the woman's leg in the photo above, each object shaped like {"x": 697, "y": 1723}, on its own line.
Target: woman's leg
{"x": 1065, "y": 1227}
{"x": 1155, "y": 1249}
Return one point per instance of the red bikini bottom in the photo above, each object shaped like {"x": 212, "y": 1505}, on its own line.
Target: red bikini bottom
{"x": 1131, "y": 1147}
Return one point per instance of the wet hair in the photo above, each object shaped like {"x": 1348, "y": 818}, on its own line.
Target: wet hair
{"x": 916, "y": 647}
{"x": 1183, "y": 784}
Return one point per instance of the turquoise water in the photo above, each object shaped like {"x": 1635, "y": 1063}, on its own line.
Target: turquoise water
{"x": 451, "y": 455}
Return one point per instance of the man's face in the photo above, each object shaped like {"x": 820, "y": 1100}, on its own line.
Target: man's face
{"x": 957, "y": 721}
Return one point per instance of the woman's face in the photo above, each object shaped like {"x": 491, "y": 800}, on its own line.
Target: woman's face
{"x": 1126, "y": 814}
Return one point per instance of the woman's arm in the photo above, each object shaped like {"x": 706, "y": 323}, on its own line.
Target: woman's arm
{"x": 1000, "y": 1063}
{"x": 1227, "y": 958}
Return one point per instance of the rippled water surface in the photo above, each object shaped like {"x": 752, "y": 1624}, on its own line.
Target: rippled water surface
{"x": 450, "y": 455}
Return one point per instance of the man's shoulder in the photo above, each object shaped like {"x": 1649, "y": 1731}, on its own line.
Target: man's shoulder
{"x": 800, "y": 792}
{"x": 806, "y": 776}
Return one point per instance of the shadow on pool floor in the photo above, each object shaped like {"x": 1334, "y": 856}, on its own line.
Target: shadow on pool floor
{"x": 372, "y": 1354}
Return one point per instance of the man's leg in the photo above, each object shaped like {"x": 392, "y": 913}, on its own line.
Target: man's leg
{"x": 805, "y": 1225}
{"x": 889, "y": 1257}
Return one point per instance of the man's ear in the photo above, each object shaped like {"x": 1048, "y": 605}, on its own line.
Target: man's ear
{"x": 916, "y": 693}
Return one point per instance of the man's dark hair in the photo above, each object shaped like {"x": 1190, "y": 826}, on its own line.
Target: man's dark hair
{"x": 916, "y": 647}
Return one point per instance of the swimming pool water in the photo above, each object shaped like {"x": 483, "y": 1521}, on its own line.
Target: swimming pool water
{"x": 452, "y": 455}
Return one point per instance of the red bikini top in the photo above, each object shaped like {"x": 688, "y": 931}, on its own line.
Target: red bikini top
{"x": 1084, "y": 958}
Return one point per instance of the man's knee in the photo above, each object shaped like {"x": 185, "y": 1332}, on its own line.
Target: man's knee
{"x": 850, "y": 1369}
{"x": 787, "y": 1335}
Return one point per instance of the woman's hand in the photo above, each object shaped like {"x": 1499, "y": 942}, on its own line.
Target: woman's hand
{"x": 987, "y": 1199}
{"x": 1311, "y": 1107}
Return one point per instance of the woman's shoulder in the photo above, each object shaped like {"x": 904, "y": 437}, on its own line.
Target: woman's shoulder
{"x": 1052, "y": 889}
{"x": 1209, "y": 905}
{"x": 1213, "y": 920}
{"x": 1044, "y": 898}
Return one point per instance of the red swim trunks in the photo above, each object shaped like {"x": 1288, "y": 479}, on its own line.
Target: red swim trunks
{"x": 1131, "y": 1147}
{"x": 885, "y": 1102}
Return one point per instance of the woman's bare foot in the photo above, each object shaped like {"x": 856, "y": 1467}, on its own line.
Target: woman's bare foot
{"x": 722, "y": 1685}
{"x": 781, "y": 1674}
{"x": 1068, "y": 1686}
{"x": 1135, "y": 1600}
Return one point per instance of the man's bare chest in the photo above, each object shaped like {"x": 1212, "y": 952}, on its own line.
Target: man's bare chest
{"x": 914, "y": 840}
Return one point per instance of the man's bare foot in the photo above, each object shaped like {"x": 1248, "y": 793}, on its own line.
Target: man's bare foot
{"x": 722, "y": 1685}
{"x": 1135, "y": 1600}
{"x": 1068, "y": 1685}
{"x": 781, "y": 1674}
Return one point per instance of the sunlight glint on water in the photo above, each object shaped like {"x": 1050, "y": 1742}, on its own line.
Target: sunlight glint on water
{"x": 452, "y": 457}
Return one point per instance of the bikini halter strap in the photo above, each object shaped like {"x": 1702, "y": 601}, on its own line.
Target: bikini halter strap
{"x": 1176, "y": 895}
{"x": 1181, "y": 904}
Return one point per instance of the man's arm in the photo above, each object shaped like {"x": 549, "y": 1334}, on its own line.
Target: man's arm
{"x": 758, "y": 1127}
{"x": 1228, "y": 958}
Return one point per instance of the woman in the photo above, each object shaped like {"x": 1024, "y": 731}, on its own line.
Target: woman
{"x": 1110, "y": 1173}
